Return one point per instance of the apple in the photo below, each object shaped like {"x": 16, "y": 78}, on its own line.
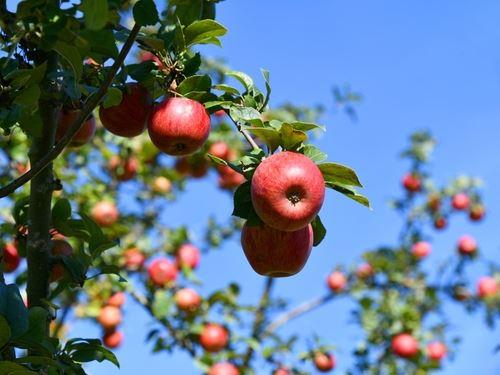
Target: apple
{"x": 436, "y": 351}
{"x": 434, "y": 202}
{"x": 440, "y": 223}
{"x": 336, "y": 281}
{"x": 220, "y": 113}
{"x": 112, "y": 339}
{"x": 182, "y": 166}
{"x": 487, "y": 286}
{"x": 476, "y": 212}
{"x": 134, "y": 259}
{"x": 220, "y": 149}
{"x": 223, "y": 368}
{"x": 287, "y": 191}
{"x": 11, "y": 258}
{"x": 461, "y": 293}
{"x": 187, "y": 300}
{"x": 229, "y": 178}
{"x": 162, "y": 185}
{"x": 105, "y": 213}
{"x": 198, "y": 168}
{"x": 324, "y": 362}
{"x": 162, "y": 272}
{"x": 421, "y": 249}
{"x": 129, "y": 118}
{"x": 411, "y": 183}
{"x": 148, "y": 56}
{"x": 179, "y": 126}
{"x": 65, "y": 120}
{"x": 460, "y": 201}
{"x": 117, "y": 299}
{"x": 214, "y": 338}
{"x": 364, "y": 270}
{"x": 123, "y": 170}
{"x": 109, "y": 317}
{"x": 404, "y": 345}
{"x": 466, "y": 245}
{"x": 188, "y": 255}
{"x": 276, "y": 253}
{"x": 282, "y": 371}
{"x": 60, "y": 247}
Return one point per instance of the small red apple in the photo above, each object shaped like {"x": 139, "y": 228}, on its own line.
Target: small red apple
{"x": 421, "y": 249}
{"x": 275, "y": 253}
{"x": 182, "y": 166}
{"x": 60, "y": 247}
{"x": 198, "y": 168}
{"x": 436, "y": 351}
{"x": 287, "y": 190}
{"x": 148, "y": 56}
{"x": 162, "y": 272}
{"x": 105, "y": 213}
{"x": 65, "y": 120}
{"x": 324, "y": 362}
{"x": 487, "y": 286}
{"x": 223, "y": 368}
{"x": 440, "y": 223}
{"x": 112, "y": 339}
{"x": 214, "y": 338}
{"x": 364, "y": 270}
{"x": 11, "y": 258}
{"x": 123, "y": 170}
{"x": 229, "y": 178}
{"x": 162, "y": 185}
{"x": 219, "y": 149}
{"x": 460, "y": 201}
{"x": 411, "y": 183}
{"x": 282, "y": 371}
{"x": 129, "y": 118}
{"x": 404, "y": 345}
{"x": 477, "y": 212}
{"x": 220, "y": 113}
{"x": 109, "y": 317}
{"x": 179, "y": 126}
{"x": 336, "y": 281}
{"x": 117, "y": 299}
{"x": 466, "y": 245}
{"x": 187, "y": 299}
{"x": 188, "y": 255}
{"x": 134, "y": 259}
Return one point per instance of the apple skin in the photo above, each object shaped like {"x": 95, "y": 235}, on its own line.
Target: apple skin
{"x": 434, "y": 202}
{"x": 404, "y": 345}
{"x": 287, "y": 191}
{"x": 66, "y": 118}
{"x": 214, "y": 338}
{"x": 220, "y": 149}
{"x": 109, "y": 317}
{"x": 282, "y": 371}
{"x": 123, "y": 170}
{"x": 11, "y": 258}
{"x": 421, "y": 249}
{"x": 460, "y": 201}
{"x": 179, "y": 126}
{"x": 220, "y": 113}
{"x": 117, "y": 299}
{"x": 477, "y": 212}
{"x": 130, "y": 117}
{"x": 487, "y": 286}
{"x": 411, "y": 183}
{"x": 228, "y": 178}
{"x": 162, "y": 185}
{"x": 223, "y": 368}
{"x": 276, "y": 253}
{"x": 364, "y": 271}
{"x": 112, "y": 340}
{"x": 148, "y": 56}
{"x": 105, "y": 213}
{"x": 466, "y": 245}
{"x": 134, "y": 259}
{"x": 336, "y": 281}
{"x": 436, "y": 351}
{"x": 324, "y": 362}
{"x": 59, "y": 247}
{"x": 162, "y": 272}
{"x": 187, "y": 300}
{"x": 440, "y": 223}
{"x": 188, "y": 255}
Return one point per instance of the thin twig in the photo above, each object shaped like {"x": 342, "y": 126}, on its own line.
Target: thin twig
{"x": 245, "y": 134}
{"x": 77, "y": 124}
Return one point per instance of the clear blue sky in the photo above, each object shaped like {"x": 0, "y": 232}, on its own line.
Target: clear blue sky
{"x": 419, "y": 64}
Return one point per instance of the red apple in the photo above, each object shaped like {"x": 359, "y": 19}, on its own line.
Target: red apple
{"x": 436, "y": 351}
{"x": 65, "y": 120}
{"x": 434, "y": 202}
{"x": 364, "y": 270}
{"x": 440, "y": 223}
{"x": 214, "y": 338}
{"x": 220, "y": 113}
{"x": 162, "y": 185}
{"x": 324, "y": 362}
{"x": 60, "y": 247}
{"x": 467, "y": 245}
{"x": 282, "y": 371}
{"x": 275, "y": 253}
{"x": 187, "y": 299}
{"x": 287, "y": 190}
{"x": 476, "y": 212}
{"x": 223, "y": 368}
{"x": 134, "y": 259}
{"x": 404, "y": 345}
{"x": 336, "y": 281}
{"x": 162, "y": 272}
{"x": 229, "y": 178}
{"x": 123, "y": 170}
{"x": 220, "y": 149}
{"x": 109, "y": 317}
{"x": 179, "y": 126}
{"x": 105, "y": 213}
{"x": 117, "y": 299}
{"x": 188, "y": 255}
{"x": 487, "y": 286}
{"x": 148, "y": 56}
{"x": 421, "y": 249}
{"x": 182, "y": 166}
{"x": 460, "y": 201}
{"x": 112, "y": 339}
{"x": 130, "y": 117}
{"x": 11, "y": 258}
{"x": 198, "y": 168}
{"x": 411, "y": 183}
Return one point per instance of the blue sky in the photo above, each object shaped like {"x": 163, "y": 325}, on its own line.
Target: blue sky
{"x": 419, "y": 64}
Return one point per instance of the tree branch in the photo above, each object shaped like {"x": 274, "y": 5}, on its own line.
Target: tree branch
{"x": 245, "y": 134}
{"x": 93, "y": 101}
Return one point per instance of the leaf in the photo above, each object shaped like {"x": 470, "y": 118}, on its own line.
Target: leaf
{"x": 246, "y": 115}
{"x": 13, "y": 309}
{"x": 29, "y": 96}
{"x": 61, "y": 209}
{"x": 95, "y": 13}
{"x": 217, "y": 160}
{"x": 291, "y": 138}
{"x": 113, "y": 97}
{"x": 38, "y": 318}
{"x": 349, "y": 192}
{"x": 338, "y": 173}
{"x": 161, "y": 304}
{"x": 31, "y": 123}
{"x": 265, "y": 74}
{"x": 4, "y": 332}
{"x": 270, "y": 136}
{"x": 203, "y": 32}
{"x": 319, "y": 231}
{"x": 101, "y": 42}
{"x": 11, "y": 368}
{"x": 243, "y": 206}
{"x": 71, "y": 55}
{"x": 195, "y": 83}
{"x": 243, "y": 78}
{"x": 145, "y": 13}
{"x": 305, "y": 126}
{"x": 314, "y": 153}
{"x": 227, "y": 89}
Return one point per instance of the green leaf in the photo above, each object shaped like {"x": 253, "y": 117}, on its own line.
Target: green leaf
{"x": 101, "y": 42}
{"x": 265, "y": 74}
{"x": 349, "y": 192}
{"x": 203, "y": 32}
{"x": 291, "y": 138}
{"x": 314, "y": 153}
{"x": 13, "y": 309}
{"x": 4, "y": 332}
{"x": 271, "y": 137}
{"x": 11, "y": 368}
{"x": 71, "y": 55}
{"x": 243, "y": 206}
{"x": 243, "y": 78}
{"x": 305, "y": 126}
{"x": 195, "y": 83}
{"x": 95, "y": 13}
{"x": 162, "y": 304}
{"x": 246, "y": 115}
{"x": 145, "y": 13}
{"x": 31, "y": 123}
{"x": 29, "y": 96}
{"x": 227, "y": 89}
{"x": 338, "y": 173}
{"x": 216, "y": 160}
{"x": 61, "y": 209}
{"x": 38, "y": 318}
{"x": 319, "y": 230}
{"x": 113, "y": 97}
